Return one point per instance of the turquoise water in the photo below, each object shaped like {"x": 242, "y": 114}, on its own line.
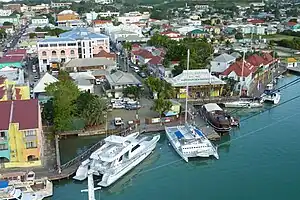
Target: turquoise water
{"x": 258, "y": 161}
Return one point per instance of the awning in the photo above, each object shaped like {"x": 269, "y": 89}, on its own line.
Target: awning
{"x": 170, "y": 113}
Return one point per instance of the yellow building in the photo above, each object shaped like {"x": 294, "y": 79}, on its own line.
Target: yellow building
{"x": 201, "y": 84}
{"x": 9, "y": 90}
{"x": 21, "y": 133}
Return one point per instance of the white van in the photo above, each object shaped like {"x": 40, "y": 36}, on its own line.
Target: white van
{"x": 118, "y": 121}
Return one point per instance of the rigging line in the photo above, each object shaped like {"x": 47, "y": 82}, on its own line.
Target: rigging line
{"x": 262, "y": 128}
{"x": 289, "y": 84}
{"x": 251, "y": 116}
{"x": 223, "y": 143}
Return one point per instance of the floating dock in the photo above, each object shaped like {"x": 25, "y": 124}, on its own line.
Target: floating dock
{"x": 295, "y": 70}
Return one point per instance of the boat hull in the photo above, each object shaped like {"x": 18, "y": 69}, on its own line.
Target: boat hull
{"x": 185, "y": 158}
{"x": 274, "y": 100}
{"x": 242, "y": 105}
{"x": 110, "y": 179}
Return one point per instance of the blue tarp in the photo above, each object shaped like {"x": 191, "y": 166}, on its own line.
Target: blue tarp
{"x": 179, "y": 134}
{"x": 170, "y": 113}
{"x": 199, "y": 132}
{"x": 3, "y": 184}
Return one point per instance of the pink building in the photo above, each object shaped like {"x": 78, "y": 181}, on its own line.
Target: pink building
{"x": 77, "y": 43}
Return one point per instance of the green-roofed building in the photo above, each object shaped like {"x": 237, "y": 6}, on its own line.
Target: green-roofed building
{"x": 196, "y": 33}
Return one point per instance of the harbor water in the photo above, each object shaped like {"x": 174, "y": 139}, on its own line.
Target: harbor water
{"x": 258, "y": 161}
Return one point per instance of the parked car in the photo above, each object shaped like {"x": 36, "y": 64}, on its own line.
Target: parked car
{"x": 136, "y": 69}
{"x": 36, "y": 77}
{"x": 142, "y": 74}
{"x": 97, "y": 81}
{"x": 118, "y": 121}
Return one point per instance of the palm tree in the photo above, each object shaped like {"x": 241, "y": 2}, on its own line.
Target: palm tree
{"x": 161, "y": 105}
{"x": 128, "y": 47}
{"x": 94, "y": 113}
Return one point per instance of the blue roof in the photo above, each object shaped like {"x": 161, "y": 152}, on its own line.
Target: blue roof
{"x": 58, "y": 39}
{"x": 199, "y": 132}
{"x": 81, "y": 33}
{"x": 3, "y": 184}
{"x": 179, "y": 134}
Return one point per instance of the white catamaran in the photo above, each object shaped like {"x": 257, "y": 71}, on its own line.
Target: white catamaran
{"x": 116, "y": 157}
{"x": 187, "y": 140}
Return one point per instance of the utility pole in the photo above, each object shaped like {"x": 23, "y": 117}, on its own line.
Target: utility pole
{"x": 57, "y": 153}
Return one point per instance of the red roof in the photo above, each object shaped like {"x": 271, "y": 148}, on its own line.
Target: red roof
{"x": 19, "y": 114}
{"x": 2, "y": 79}
{"x": 291, "y": 23}
{"x": 16, "y": 52}
{"x": 5, "y": 114}
{"x": 143, "y": 53}
{"x": 237, "y": 68}
{"x": 268, "y": 58}
{"x": 136, "y": 45}
{"x": 21, "y": 108}
{"x": 169, "y": 32}
{"x": 255, "y": 60}
{"x": 9, "y": 59}
{"x": 256, "y": 21}
{"x": 104, "y": 54}
{"x": 98, "y": 21}
{"x": 156, "y": 60}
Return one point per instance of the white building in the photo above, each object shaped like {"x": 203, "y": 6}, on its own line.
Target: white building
{"x": 111, "y": 29}
{"x": 39, "y": 21}
{"x": 109, "y": 14}
{"x": 40, "y": 7}
{"x": 5, "y": 12}
{"x": 60, "y": 4}
{"x": 89, "y": 17}
{"x": 78, "y": 43}
{"x": 104, "y": 1}
{"x": 133, "y": 17}
{"x": 220, "y": 63}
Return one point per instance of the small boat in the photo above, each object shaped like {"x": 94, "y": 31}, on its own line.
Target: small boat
{"x": 189, "y": 142}
{"x": 243, "y": 104}
{"x": 116, "y": 157}
{"x": 216, "y": 117}
{"x": 36, "y": 189}
{"x": 270, "y": 95}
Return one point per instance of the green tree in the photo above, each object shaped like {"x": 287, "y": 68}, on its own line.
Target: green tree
{"x": 94, "y": 112}
{"x": 161, "y": 105}
{"x": 83, "y": 99}
{"x": 32, "y": 35}
{"x": 162, "y": 88}
{"x": 64, "y": 93}
{"x": 239, "y": 36}
{"x": 134, "y": 91}
{"x": 48, "y": 113}
{"x": 7, "y": 24}
{"x": 128, "y": 47}
{"x": 3, "y": 33}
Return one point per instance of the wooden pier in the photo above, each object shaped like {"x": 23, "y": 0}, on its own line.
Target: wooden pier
{"x": 295, "y": 70}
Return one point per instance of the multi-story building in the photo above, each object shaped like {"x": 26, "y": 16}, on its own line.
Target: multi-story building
{"x": 69, "y": 18}
{"x": 104, "y": 1}
{"x": 5, "y": 12}
{"x": 60, "y": 4}
{"x": 39, "y": 20}
{"x": 12, "y": 19}
{"x": 13, "y": 7}
{"x": 78, "y": 43}
{"x": 20, "y": 134}
{"x": 109, "y": 14}
{"x": 133, "y": 17}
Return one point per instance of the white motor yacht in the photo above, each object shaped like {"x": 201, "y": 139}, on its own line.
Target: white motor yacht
{"x": 243, "y": 104}
{"x": 188, "y": 142}
{"x": 270, "y": 95}
{"x": 117, "y": 156}
{"x": 8, "y": 192}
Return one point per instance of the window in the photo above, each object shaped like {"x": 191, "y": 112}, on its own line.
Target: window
{"x": 2, "y": 134}
{"x": 44, "y": 53}
{"x": 63, "y": 60}
{"x": 62, "y": 45}
{"x": 244, "y": 78}
{"x": 53, "y": 45}
{"x": 3, "y": 147}
{"x": 72, "y": 52}
{"x": 71, "y": 44}
{"x": 53, "y": 53}
{"x": 62, "y": 52}
{"x": 30, "y": 145}
{"x": 44, "y": 61}
{"x": 218, "y": 64}
{"x": 30, "y": 133}
{"x": 43, "y": 45}
{"x": 134, "y": 148}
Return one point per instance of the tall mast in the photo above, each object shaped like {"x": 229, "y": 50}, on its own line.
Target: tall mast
{"x": 187, "y": 85}
{"x": 242, "y": 80}
{"x": 91, "y": 189}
